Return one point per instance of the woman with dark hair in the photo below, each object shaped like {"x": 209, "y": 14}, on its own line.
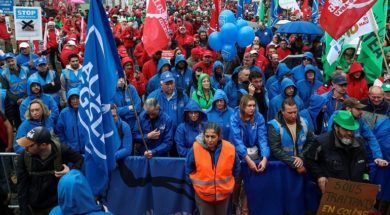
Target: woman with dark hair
{"x": 187, "y": 131}
{"x": 196, "y": 72}
{"x": 210, "y": 151}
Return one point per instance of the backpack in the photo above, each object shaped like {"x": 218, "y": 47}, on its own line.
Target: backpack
{"x": 57, "y": 160}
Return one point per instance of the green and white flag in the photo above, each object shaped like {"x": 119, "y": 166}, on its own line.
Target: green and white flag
{"x": 261, "y": 10}
{"x": 371, "y": 54}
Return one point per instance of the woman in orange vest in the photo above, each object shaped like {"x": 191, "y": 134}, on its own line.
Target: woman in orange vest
{"x": 211, "y": 166}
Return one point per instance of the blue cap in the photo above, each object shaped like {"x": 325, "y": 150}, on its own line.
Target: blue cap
{"x": 339, "y": 79}
{"x": 41, "y": 60}
{"x": 308, "y": 55}
{"x": 167, "y": 76}
{"x": 9, "y": 55}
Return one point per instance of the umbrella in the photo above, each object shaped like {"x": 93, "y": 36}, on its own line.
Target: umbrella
{"x": 300, "y": 27}
{"x": 281, "y": 22}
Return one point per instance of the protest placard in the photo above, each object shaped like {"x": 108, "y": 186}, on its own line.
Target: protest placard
{"x": 347, "y": 197}
{"x": 28, "y": 23}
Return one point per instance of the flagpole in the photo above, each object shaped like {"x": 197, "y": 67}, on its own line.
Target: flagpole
{"x": 383, "y": 52}
{"x": 136, "y": 116}
{"x": 357, "y": 48}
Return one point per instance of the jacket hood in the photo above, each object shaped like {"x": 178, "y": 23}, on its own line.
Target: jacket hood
{"x": 355, "y": 67}
{"x": 75, "y": 195}
{"x": 161, "y": 63}
{"x": 282, "y": 70}
{"x": 200, "y": 79}
{"x": 71, "y": 92}
{"x": 286, "y": 83}
{"x": 315, "y": 104}
{"x": 218, "y": 64}
{"x": 309, "y": 55}
{"x": 220, "y": 94}
{"x": 180, "y": 58}
{"x": 310, "y": 67}
{"x": 347, "y": 46}
{"x": 194, "y": 106}
{"x": 30, "y": 81}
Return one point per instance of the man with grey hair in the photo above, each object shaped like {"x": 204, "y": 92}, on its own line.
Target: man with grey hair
{"x": 171, "y": 99}
{"x": 156, "y": 130}
{"x": 377, "y": 107}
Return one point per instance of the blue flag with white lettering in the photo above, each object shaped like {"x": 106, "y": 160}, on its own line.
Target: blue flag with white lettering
{"x": 99, "y": 78}
{"x": 240, "y": 9}
{"x": 315, "y": 15}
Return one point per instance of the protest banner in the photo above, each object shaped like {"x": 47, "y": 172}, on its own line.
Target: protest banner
{"x": 347, "y": 197}
{"x": 7, "y": 6}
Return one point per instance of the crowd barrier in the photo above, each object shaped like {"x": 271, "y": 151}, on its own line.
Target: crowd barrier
{"x": 8, "y": 177}
{"x": 159, "y": 186}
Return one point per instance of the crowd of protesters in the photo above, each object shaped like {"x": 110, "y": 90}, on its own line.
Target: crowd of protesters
{"x": 267, "y": 109}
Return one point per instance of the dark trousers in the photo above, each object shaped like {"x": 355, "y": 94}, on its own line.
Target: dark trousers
{"x": 212, "y": 208}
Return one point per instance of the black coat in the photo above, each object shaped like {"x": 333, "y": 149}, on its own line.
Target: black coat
{"x": 329, "y": 158}
{"x": 40, "y": 191}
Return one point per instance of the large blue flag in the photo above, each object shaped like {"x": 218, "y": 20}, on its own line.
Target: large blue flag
{"x": 99, "y": 78}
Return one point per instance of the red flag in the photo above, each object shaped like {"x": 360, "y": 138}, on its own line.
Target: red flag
{"x": 214, "y": 25}
{"x": 155, "y": 35}
{"x": 181, "y": 3}
{"x": 338, "y": 16}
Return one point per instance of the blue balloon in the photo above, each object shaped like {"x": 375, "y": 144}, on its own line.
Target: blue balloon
{"x": 215, "y": 41}
{"x": 226, "y": 16}
{"x": 245, "y": 36}
{"x": 228, "y": 52}
{"x": 241, "y": 23}
{"x": 229, "y": 33}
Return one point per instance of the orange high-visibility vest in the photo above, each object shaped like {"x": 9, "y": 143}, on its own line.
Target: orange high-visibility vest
{"x": 213, "y": 183}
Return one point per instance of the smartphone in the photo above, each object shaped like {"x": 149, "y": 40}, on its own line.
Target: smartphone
{"x": 136, "y": 69}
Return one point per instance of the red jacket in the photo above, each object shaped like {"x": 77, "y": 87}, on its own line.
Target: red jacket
{"x": 140, "y": 53}
{"x": 357, "y": 87}
{"x": 140, "y": 84}
{"x": 149, "y": 69}
{"x": 65, "y": 54}
{"x": 205, "y": 68}
{"x": 127, "y": 37}
{"x": 283, "y": 53}
{"x": 122, "y": 51}
{"x": 51, "y": 39}
{"x": 3, "y": 31}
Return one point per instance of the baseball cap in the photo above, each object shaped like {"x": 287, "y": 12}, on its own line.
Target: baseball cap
{"x": 36, "y": 135}
{"x": 346, "y": 120}
{"x": 40, "y": 61}
{"x": 353, "y": 103}
{"x": 71, "y": 43}
{"x": 167, "y": 76}
{"x": 386, "y": 87}
{"x": 207, "y": 53}
{"x": 24, "y": 45}
{"x": 253, "y": 52}
{"x": 339, "y": 79}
